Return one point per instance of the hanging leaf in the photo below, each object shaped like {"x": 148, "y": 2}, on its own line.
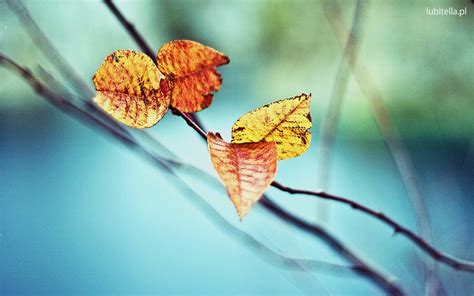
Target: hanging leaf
{"x": 130, "y": 89}
{"x": 245, "y": 169}
{"x": 285, "y": 122}
{"x": 191, "y": 69}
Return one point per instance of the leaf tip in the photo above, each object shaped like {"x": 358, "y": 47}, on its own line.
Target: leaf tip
{"x": 246, "y": 170}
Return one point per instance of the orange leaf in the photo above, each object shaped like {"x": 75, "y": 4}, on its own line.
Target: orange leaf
{"x": 191, "y": 69}
{"x": 131, "y": 89}
{"x": 245, "y": 169}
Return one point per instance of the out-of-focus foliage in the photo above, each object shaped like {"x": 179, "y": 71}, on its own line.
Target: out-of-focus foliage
{"x": 294, "y": 49}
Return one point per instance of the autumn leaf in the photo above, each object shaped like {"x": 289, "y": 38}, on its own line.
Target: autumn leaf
{"x": 191, "y": 69}
{"x": 245, "y": 169}
{"x": 285, "y": 122}
{"x": 131, "y": 89}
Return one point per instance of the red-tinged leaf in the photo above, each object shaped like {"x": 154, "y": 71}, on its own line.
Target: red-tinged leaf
{"x": 191, "y": 69}
{"x": 130, "y": 89}
{"x": 245, "y": 169}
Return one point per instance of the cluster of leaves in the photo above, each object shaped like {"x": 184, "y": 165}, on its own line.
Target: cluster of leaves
{"x": 136, "y": 92}
{"x": 133, "y": 90}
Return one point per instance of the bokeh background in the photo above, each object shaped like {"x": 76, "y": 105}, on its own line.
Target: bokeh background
{"x": 82, "y": 214}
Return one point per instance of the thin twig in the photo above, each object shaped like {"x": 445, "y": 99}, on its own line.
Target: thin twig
{"x": 58, "y": 61}
{"x": 145, "y": 47}
{"x": 440, "y": 256}
{"x": 330, "y": 122}
{"x": 392, "y": 139}
{"x": 190, "y": 119}
{"x": 142, "y": 149}
{"x": 47, "y": 47}
{"x": 360, "y": 266}
{"x": 62, "y": 101}
{"x": 420, "y": 242}
{"x": 137, "y": 37}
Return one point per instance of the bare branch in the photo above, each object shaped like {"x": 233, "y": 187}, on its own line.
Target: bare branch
{"x": 146, "y": 48}
{"x": 437, "y": 255}
{"x": 62, "y": 103}
{"x": 420, "y": 242}
{"x": 137, "y": 37}
{"x": 56, "y": 59}
{"x": 359, "y": 265}
{"x": 364, "y": 270}
{"x": 392, "y": 139}
{"x": 329, "y": 125}
{"x": 48, "y": 48}
{"x": 331, "y": 120}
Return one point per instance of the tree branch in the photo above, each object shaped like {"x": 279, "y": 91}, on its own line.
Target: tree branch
{"x": 392, "y": 140}
{"x": 359, "y": 265}
{"x": 47, "y": 47}
{"x": 362, "y": 267}
{"x": 52, "y": 54}
{"x": 330, "y": 122}
{"x": 162, "y": 164}
{"x": 146, "y": 48}
{"x": 440, "y": 256}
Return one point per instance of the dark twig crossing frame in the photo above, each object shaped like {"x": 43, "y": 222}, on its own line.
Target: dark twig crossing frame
{"x": 358, "y": 264}
{"x": 392, "y": 139}
{"x": 146, "y": 48}
{"x": 458, "y": 264}
{"x": 63, "y": 102}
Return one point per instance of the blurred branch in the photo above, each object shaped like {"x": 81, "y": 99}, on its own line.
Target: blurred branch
{"x": 52, "y": 54}
{"x": 359, "y": 266}
{"x": 391, "y": 137}
{"x": 146, "y": 48}
{"x": 62, "y": 102}
{"x": 47, "y": 47}
{"x": 315, "y": 230}
{"x": 386, "y": 127}
{"x": 420, "y": 242}
{"x": 330, "y": 122}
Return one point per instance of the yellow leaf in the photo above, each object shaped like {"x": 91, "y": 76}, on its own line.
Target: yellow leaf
{"x": 285, "y": 122}
{"x": 191, "y": 69}
{"x": 245, "y": 169}
{"x": 131, "y": 89}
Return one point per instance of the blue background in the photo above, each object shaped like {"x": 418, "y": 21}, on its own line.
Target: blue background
{"x": 81, "y": 214}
